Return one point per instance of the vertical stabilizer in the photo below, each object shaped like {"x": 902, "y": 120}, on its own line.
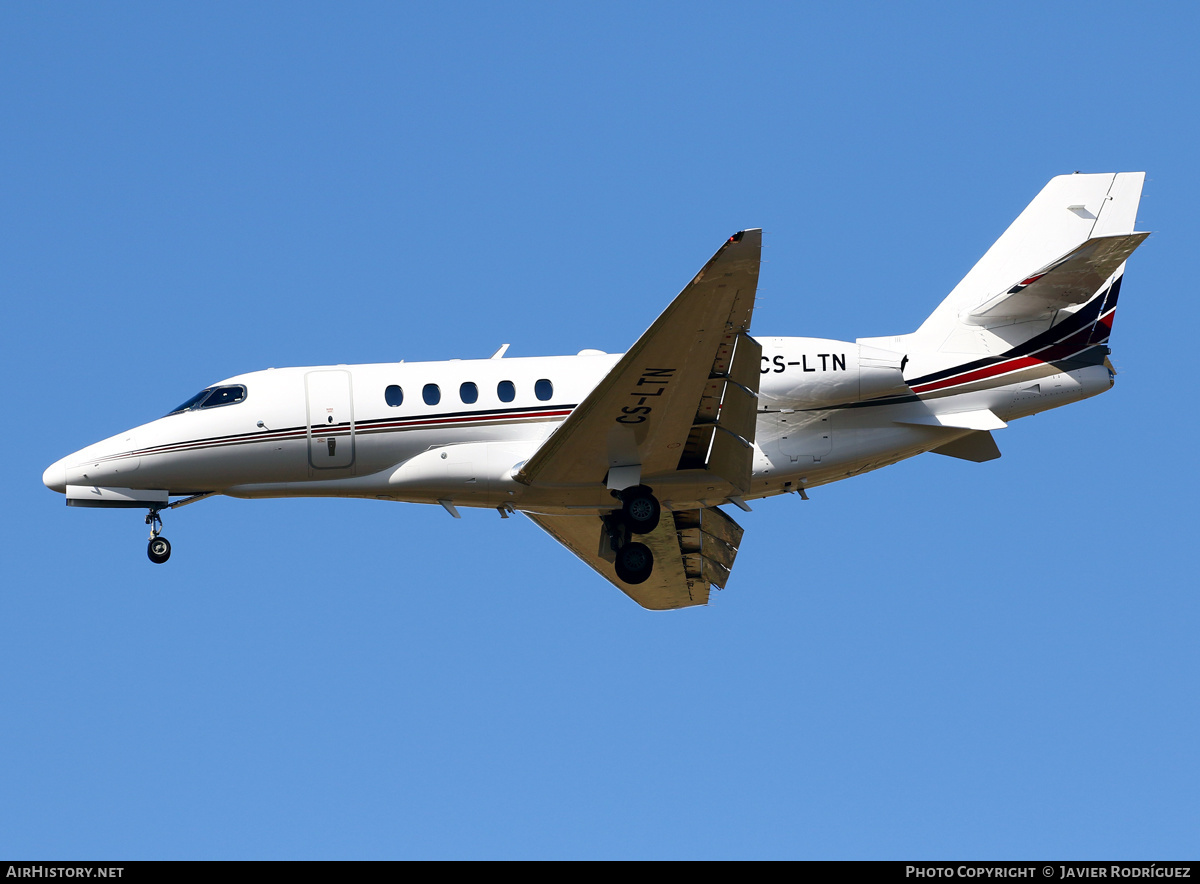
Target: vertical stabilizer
{"x": 1069, "y": 211}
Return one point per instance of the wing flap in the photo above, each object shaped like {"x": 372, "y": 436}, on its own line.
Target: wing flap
{"x": 709, "y": 540}
{"x": 710, "y": 402}
{"x": 732, "y": 458}
{"x": 722, "y": 436}
{"x": 739, "y": 408}
{"x": 703, "y": 568}
{"x": 746, "y": 369}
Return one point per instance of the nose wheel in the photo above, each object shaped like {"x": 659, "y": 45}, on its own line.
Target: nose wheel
{"x": 159, "y": 548}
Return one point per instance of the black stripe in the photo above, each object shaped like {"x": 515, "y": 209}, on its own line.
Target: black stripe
{"x": 1091, "y": 312}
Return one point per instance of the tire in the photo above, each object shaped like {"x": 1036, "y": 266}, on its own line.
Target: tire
{"x": 640, "y": 509}
{"x": 159, "y": 550}
{"x": 634, "y": 563}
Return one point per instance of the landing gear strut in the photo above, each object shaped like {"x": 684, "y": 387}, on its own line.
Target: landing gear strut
{"x": 639, "y": 514}
{"x": 159, "y": 548}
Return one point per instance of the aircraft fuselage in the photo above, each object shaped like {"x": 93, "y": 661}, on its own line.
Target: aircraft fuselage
{"x": 329, "y": 431}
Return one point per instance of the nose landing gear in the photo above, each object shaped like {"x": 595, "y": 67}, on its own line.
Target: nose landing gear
{"x": 159, "y": 548}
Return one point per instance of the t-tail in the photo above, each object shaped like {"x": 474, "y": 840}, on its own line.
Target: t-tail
{"x": 1041, "y": 299}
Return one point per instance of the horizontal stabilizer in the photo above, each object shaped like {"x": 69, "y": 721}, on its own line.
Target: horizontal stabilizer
{"x": 977, "y": 447}
{"x": 961, "y": 420}
{"x": 1072, "y": 279}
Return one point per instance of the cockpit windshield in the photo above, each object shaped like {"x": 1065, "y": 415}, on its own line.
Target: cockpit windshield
{"x": 191, "y": 403}
{"x": 225, "y": 396}
{"x": 211, "y": 398}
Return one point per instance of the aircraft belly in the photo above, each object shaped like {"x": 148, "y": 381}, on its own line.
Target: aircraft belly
{"x": 860, "y": 444}
{"x": 379, "y": 449}
{"x": 805, "y": 434}
{"x": 471, "y": 473}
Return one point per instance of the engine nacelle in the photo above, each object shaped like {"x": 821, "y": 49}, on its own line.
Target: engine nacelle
{"x": 816, "y": 372}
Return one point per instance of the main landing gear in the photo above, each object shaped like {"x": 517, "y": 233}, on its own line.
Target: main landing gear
{"x": 159, "y": 548}
{"x": 640, "y": 509}
{"x": 639, "y": 514}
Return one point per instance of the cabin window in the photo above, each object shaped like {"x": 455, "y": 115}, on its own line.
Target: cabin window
{"x": 191, "y": 403}
{"x": 225, "y": 396}
{"x": 431, "y": 394}
{"x": 468, "y": 393}
{"x": 506, "y": 391}
{"x": 394, "y": 396}
{"x": 543, "y": 389}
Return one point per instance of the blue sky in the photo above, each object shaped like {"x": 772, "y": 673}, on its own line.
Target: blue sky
{"x": 940, "y": 659}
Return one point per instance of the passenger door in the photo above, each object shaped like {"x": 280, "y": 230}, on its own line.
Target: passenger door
{"x": 330, "y": 419}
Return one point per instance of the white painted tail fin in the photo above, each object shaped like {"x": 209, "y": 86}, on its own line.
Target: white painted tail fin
{"x": 1070, "y": 211}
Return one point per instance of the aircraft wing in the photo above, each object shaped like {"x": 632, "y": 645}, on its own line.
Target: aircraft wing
{"x": 1072, "y": 279}
{"x": 684, "y": 396}
{"x": 693, "y": 550}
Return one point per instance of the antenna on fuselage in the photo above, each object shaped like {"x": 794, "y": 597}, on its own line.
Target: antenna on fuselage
{"x": 499, "y": 354}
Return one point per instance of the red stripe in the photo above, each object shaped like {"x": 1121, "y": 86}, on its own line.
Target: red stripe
{"x": 980, "y": 374}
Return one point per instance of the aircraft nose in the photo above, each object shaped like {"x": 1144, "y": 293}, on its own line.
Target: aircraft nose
{"x": 55, "y": 477}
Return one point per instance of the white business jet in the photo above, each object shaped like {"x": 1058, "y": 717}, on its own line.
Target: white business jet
{"x": 626, "y": 459}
